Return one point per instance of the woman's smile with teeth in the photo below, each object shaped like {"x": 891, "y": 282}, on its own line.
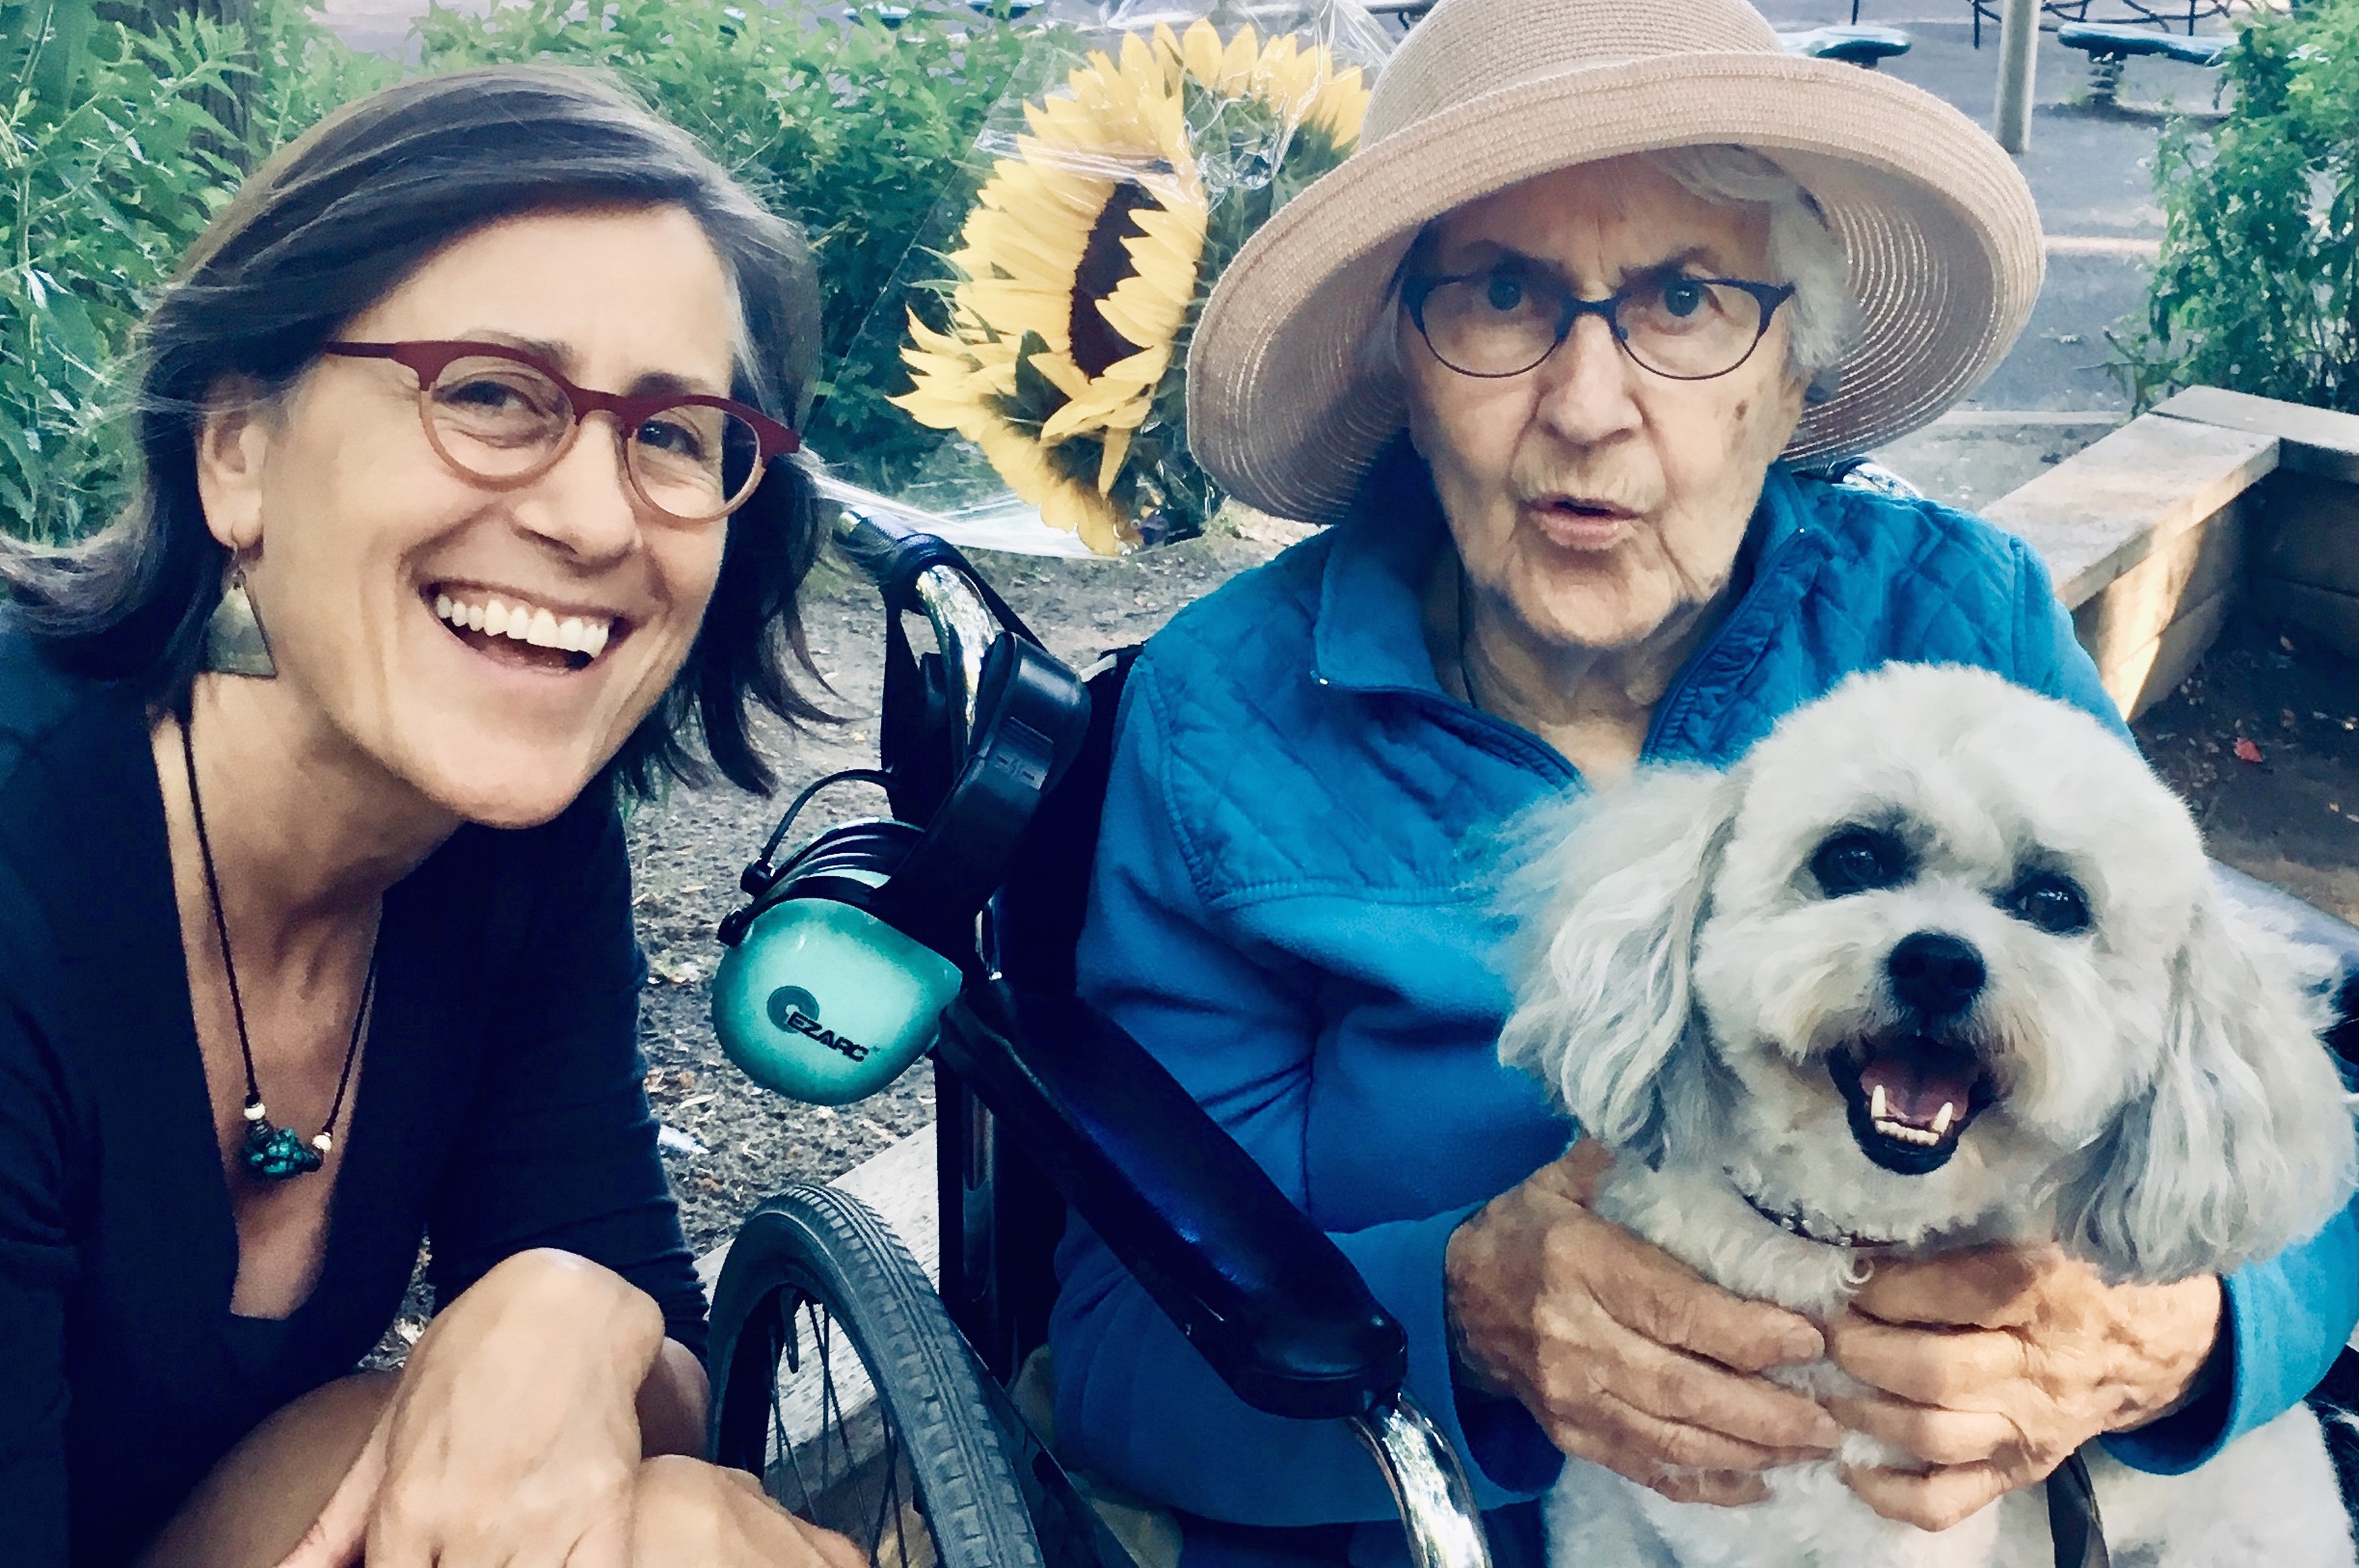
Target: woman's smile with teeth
{"x": 534, "y": 625}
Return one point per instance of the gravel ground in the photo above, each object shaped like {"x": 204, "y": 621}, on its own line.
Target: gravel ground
{"x": 2291, "y": 817}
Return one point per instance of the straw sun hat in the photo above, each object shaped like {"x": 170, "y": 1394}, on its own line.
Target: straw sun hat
{"x": 1943, "y": 238}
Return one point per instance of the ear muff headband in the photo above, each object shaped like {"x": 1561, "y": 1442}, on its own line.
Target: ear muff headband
{"x": 849, "y": 863}
{"x": 849, "y": 860}
{"x": 1030, "y": 717}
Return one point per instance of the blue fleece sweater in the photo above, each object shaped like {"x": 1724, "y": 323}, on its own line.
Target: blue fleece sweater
{"x": 1289, "y": 911}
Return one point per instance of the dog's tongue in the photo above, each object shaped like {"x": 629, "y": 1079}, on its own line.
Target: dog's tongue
{"x": 1917, "y": 1078}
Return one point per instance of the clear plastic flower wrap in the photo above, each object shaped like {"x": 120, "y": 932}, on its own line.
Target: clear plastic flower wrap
{"x": 1036, "y": 340}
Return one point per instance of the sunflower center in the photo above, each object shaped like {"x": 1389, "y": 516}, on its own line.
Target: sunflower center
{"x": 1104, "y": 263}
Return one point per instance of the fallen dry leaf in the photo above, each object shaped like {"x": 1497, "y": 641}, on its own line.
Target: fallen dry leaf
{"x": 2246, "y": 751}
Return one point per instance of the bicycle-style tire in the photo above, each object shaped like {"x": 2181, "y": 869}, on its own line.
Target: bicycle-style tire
{"x": 815, "y": 1262}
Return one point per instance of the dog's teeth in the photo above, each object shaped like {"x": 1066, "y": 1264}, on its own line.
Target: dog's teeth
{"x": 1875, "y": 1106}
{"x": 1906, "y": 1133}
{"x": 1940, "y": 1123}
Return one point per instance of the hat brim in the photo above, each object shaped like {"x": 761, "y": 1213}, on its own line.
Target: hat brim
{"x": 1286, "y": 410}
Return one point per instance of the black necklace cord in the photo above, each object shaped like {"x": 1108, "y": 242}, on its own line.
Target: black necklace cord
{"x": 326, "y": 1138}
{"x": 258, "y": 1128}
{"x": 221, "y": 923}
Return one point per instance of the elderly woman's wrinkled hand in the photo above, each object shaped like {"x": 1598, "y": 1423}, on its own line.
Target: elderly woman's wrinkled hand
{"x": 1994, "y": 1365}
{"x": 1625, "y": 1357}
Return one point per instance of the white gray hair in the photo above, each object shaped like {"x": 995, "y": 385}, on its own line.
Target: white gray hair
{"x": 1823, "y": 315}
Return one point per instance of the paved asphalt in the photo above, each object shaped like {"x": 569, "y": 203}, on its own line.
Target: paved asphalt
{"x": 2091, "y": 173}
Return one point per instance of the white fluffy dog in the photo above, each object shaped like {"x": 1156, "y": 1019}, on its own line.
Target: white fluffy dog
{"x": 1939, "y": 962}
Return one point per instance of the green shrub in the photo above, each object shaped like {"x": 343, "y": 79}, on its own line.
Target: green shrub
{"x": 114, "y": 158}
{"x": 111, "y": 162}
{"x": 853, "y": 127}
{"x": 303, "y": 74}
{"x": 2258, "y": 284}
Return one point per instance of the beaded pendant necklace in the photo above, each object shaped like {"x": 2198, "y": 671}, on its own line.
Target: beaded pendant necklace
{"x": 271, "y": 1153}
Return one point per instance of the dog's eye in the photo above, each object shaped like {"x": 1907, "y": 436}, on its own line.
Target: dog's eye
{"x": 1855, "y": 859}
{"x": 2051, "y": 902}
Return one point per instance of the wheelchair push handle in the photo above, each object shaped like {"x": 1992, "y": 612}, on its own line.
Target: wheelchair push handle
{"x": 888, "y": 541}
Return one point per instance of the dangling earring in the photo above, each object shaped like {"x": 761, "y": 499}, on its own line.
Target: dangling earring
{"x": 233, "y": 640}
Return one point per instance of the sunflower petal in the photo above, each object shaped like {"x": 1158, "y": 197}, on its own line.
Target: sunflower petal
{"x": 1237, "y": 64}
{"x": 1200, "y": 48}
{"x": 1117, "y": 446}
{"x": 1068, "y": 376}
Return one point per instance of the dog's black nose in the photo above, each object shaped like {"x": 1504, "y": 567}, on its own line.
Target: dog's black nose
{"x": 1934, "y": 972}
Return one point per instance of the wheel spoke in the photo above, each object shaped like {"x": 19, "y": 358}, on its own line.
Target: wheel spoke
{"x": 888, "y": 1492}
{"x": 831, "y": 1406}
{"x": 893, "y": 1488}
{"x": 783, "y": 1435}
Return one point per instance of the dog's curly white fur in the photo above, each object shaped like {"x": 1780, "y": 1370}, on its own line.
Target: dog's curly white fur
{"x": 1939, "y": 961}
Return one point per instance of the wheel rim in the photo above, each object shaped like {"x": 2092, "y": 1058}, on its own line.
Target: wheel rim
{"x": 835, "y": 1454}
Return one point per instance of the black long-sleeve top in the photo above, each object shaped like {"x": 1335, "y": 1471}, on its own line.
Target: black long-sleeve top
{"x": 499, "y": 1107}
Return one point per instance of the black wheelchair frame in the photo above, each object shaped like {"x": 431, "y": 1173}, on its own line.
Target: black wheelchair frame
{"x": 1045, "y": 1107}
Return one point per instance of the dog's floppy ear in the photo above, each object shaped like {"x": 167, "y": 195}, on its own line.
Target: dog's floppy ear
{"x": 2242, "y": 1144}
{"x": 1602, "y": 993}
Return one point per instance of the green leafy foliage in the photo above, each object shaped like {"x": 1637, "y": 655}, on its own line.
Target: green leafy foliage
{"x": 303, "y": 74}
{"x": 854, "y": 127}
{"x": 2258, "y": 285}
{"x": 112, "y": 161}
{"x": 115, "y": 154}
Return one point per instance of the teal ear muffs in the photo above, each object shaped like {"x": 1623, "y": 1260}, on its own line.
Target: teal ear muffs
{"x": 839, "y": 968}
{"x": 817, "y": 996}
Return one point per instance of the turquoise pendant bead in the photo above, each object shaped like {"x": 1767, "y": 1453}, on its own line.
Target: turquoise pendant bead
{"x": 276, "y": 1154}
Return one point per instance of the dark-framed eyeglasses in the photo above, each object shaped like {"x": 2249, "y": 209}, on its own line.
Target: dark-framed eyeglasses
{"x": 1505, "y": 320}
{"x": 503, "y": 417}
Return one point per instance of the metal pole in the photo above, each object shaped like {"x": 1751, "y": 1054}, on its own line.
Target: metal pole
{"x": 2018, "y": 47}
{"x": 1445, "y": 1528}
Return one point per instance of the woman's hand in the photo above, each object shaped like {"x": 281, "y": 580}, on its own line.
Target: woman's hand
{"x": 1625, "y": 1357}
{"x": 514, "y": 1437}
{"x": 695, "y": 1515}
{"x": 1994, "y": 1365}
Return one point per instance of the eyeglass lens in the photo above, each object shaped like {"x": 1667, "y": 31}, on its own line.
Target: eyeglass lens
{"x": 500, "y": 420}
{"x": 1502, "y": 324}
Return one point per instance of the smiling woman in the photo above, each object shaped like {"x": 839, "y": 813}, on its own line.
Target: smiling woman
{"x": 462, "y": 517}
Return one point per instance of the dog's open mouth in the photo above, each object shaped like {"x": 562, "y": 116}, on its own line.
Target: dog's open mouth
{"x": 1910, "y": 1099}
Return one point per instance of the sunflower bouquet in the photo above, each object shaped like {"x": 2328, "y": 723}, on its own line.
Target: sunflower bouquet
{"x": 1064, "y": 306}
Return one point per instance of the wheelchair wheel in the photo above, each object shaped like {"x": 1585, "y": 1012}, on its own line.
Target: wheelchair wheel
{"x": 840, "y": 1382}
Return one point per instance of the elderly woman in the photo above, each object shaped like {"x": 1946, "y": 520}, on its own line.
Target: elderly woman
{"x": 1551, "y": 353}
{"x": 460, "y": 516}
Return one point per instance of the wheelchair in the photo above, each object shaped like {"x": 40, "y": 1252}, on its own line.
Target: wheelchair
{"x": 875, "y": 1403}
